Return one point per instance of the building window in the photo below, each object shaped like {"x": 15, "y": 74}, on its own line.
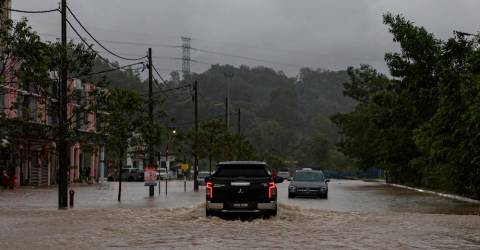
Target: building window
{"x": 52, "y": 113}
{"x": 78, "y": 119}
{"x": 26, "y": 107}
{"x": 54, "y": 90}
{"x": 20, "y": 105}
{"x": 32, "y": 108}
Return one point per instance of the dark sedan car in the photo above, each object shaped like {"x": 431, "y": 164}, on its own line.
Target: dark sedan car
{"x": 311, "y": 183}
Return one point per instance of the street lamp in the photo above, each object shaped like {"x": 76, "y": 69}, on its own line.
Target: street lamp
{"x": 167, "y": 162}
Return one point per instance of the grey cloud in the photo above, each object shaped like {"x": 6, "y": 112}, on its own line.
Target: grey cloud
{"x": 314, "y": 33}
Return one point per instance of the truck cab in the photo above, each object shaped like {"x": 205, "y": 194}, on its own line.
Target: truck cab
{"x": 241, "y": 187}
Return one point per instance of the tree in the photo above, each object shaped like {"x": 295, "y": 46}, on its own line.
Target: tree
{"x": 32, "y": 66}
{"x": 211, "y": 140}
{"x": 283, "y": 108}
{"x": 313, "y": 151}
{"x": 421, "y": 125}
{"x": 215, "y": 143}
{"x": 122, "y": 119}
{"x": 269, "y": 137}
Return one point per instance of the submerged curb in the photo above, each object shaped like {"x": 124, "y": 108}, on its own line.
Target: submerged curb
{"x": 450, "y": 196}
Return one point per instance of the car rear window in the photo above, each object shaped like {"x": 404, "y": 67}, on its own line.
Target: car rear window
{"x": 309, "y": 176}
{"x": 241, "y": 170}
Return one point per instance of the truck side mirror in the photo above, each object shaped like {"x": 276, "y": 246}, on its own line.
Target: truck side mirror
{"x": 278, "y": 179}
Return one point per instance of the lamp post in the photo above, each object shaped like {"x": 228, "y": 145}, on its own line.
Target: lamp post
{"x": 167, "y": 161}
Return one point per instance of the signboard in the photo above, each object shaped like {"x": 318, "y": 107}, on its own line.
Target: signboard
{"x": 150, "y": 175}
{"x": 184, "y": 167}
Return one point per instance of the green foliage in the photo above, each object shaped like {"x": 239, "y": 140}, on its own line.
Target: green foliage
{"x": 278, "y": 112}
{"x": 33, "y": 66}
{"x": 269, "y": 137}
{"x": 421, "y": 126}
{"x": 122, "y": 116}
{"x": 314, "y": 152}
{"x": 214, "y": 141}
{"x": 128, "y": 78}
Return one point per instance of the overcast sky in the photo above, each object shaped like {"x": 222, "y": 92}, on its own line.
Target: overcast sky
{"x": 287, "y": 33}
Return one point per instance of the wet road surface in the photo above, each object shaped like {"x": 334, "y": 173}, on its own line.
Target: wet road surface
{"x": 344, "y": 195}
{"x": 357, "y": 215}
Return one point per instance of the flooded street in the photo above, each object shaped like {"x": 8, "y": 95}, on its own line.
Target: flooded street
{"x": 344, "y": 195}
{"x": 357, "y": 215}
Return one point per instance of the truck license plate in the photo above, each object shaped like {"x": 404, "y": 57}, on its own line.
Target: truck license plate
{"x": 240, "y": 205}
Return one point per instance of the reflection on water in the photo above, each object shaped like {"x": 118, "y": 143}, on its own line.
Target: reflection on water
{"x": 344, "y": 195}
{"x": 348, "y": 195}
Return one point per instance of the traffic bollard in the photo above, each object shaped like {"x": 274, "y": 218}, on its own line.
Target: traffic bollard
{"x": 184, "y": 183}
{"x": 72, "y": 194}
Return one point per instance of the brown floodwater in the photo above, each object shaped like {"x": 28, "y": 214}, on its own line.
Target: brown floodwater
{"x": 357, "y": 215}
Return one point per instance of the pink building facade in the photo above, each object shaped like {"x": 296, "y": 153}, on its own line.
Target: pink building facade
{"x": 33, "y": 155}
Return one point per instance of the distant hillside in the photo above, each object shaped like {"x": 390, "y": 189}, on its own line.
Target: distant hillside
{"x": 281, "y": 116}
{"x": 321, "y": 91}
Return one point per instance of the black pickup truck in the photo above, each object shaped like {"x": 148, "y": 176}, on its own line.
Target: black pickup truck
{"x": 241, "y": 187}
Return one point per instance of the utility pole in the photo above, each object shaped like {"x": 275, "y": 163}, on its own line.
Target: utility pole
{"x": 227, "y": 108}
{"x": 228, "y": 73}
{"x": 151, "y": 190}
{"x": 167, "y": 166}
{"x": 195, "y": 153}
{"x": 239, "y": 132}
{"x": 63, "y": 125}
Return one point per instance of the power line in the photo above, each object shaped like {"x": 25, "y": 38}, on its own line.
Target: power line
{"x": 246, "y": 58}
{"x": 196, "y": 49}
{"x": 110, "y": 70}
{"x": 158, "y": 73}
{"x": 163, "y": 91}
{"x": 32, "y": 11}
{"x": 84, "y": 40}
{"x": 100, "y": 44}
{"x": 157, "y": 83}
{"x": 203, "y": 120}
{"x": 123, "y": 42}
{"x": 87, "y": 44}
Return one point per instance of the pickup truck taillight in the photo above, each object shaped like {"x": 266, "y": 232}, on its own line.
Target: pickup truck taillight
{"x": 209, "y": 189}
{"x": 272, "y": 190}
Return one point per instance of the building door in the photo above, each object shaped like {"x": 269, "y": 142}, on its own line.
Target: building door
{"x": 38, "y": 169}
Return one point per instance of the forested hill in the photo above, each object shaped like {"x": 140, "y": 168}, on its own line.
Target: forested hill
{"x": 322, "y": 91}
{"x": 283, "y": 117}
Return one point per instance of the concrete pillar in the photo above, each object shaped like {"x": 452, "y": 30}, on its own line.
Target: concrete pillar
{"x": 17, "y": 176}
{"x": 102, "y": 164}
{"x": 49, "y": 167}
{"x": 77, "y": 162}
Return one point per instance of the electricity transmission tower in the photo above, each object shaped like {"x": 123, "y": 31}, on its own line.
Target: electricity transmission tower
{"x": 186, "y": 56}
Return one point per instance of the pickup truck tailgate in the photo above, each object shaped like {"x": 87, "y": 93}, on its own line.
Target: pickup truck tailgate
{"x": 241, "y": 190}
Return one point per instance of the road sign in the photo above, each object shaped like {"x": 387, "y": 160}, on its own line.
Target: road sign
{"x": 184, "y": 167}
{"x": 150, "y": 176}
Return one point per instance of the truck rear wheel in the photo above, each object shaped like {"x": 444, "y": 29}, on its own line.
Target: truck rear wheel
{"x": 270, "y": 213}
{"x": 274, "y": 213}
{"x": 209, "y": 213}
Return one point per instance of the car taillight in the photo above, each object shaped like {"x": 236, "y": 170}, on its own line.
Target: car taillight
{"x": 209, "y": 188}
{"x": 272, "y": 189}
